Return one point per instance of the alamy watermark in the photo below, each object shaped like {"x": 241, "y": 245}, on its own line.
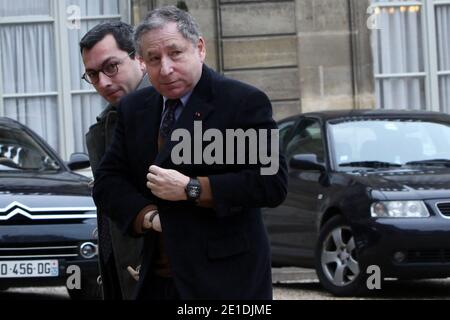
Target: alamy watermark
{"x": 73, "y": 17}
{"x": 74, "y": 280}
{"x": 374, "y": 279}
{"x": 373, "y": 22}
{"x": 249, "y": 147}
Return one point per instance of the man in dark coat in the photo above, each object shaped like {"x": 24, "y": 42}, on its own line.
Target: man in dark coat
{"x": 204, "y": 236}
{"x": 114, "y": 70}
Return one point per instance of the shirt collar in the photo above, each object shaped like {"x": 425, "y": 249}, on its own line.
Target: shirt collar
{"x": 184, "y": 99}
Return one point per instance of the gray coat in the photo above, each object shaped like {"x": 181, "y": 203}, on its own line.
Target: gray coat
{"x": 116, "y": 251}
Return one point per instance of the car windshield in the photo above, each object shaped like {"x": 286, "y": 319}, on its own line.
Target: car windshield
{"x": 19, "y": 152}
{"x": 385, "y": 143}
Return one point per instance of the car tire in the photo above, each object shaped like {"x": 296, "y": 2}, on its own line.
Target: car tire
{"x": 90, "y": 290}
{"x": 336, "y": 259}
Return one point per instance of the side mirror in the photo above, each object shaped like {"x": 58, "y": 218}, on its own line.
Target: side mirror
{"x": 79, "y": 161}
{"x": 306, "y": 162}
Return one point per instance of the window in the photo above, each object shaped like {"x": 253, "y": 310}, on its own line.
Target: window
{"x": 19, "y": 152}
{"x": 389, "y": 140}
{"x": 412, "y": 54}
{"x": 28, "y": 68}
{"x": 86, "y": 103}
{"x": 442, "y": 20}
{"x": 41, "y": 67}
{"x": 307, "y": 139}
{"x": 285, "y": 129}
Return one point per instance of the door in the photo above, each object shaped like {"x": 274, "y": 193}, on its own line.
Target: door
{"x": 293, "y": 224}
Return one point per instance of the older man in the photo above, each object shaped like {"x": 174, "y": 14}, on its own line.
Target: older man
{"x": 202, "y": 224}
{"x": 113, "y": 69}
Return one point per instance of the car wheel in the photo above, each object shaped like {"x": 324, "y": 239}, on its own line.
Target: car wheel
{"x": 90, "y": 290}
{"x": 336, "y": 259}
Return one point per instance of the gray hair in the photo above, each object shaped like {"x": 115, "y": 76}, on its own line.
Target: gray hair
{"x": 159, "y": 18}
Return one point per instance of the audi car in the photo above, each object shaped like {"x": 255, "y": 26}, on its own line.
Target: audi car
{"x": 369, "y": 190}
{"x": 47, "y": 216}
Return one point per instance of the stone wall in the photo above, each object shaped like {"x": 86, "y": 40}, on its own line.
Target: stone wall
{"x": 334, "y": 54}
{"x": 259, "y": 46}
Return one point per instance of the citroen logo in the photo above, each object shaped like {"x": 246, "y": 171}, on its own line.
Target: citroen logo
{"x": 44, "y": 213}
{"x": 14, "y": 209}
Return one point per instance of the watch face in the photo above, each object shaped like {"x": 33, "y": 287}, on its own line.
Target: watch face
{"x": 194, "y": 191}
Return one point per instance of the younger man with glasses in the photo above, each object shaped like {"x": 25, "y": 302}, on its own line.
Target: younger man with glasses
{"x": 114, "y": 70}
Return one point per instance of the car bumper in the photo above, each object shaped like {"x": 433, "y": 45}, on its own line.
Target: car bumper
{"x": 59, "y": 242}
{"x": 423, "y": 243}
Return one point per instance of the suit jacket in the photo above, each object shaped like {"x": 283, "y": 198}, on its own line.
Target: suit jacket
{"x": 122, "y": 250}
{"x": 218, "y": 253}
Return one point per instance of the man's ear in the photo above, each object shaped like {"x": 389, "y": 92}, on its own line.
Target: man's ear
{"x": 141, "y": 62}
{"x": 201, "y": 46}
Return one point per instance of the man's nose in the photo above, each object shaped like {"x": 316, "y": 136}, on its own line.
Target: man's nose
{"x": 166, "y": 66}
{"x": 103, "y": 80}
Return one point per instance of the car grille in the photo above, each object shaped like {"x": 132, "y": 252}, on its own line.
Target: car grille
{"x": 37, "y": 252}
{"x": 444, "y": 208}
{"x": 428, "y": 256}
{"x": 24, "y": 221}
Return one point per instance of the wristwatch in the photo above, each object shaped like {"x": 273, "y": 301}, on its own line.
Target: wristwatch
{"x": 193, "y": 190}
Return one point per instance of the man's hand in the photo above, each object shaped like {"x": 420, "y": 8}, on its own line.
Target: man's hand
{"x": 134, "y": 272}
{"x": 167, "y": 184}
{"x": 155, "y": 224}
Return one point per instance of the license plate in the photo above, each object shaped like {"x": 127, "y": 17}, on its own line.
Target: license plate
{"x": 29, "y": 269}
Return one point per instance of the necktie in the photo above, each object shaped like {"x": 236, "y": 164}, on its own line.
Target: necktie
{"x": 169, "y": 118}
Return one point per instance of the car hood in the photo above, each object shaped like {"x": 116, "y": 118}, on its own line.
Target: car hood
{"x": 424, "y": 183}
{"x": 57, "y": 193}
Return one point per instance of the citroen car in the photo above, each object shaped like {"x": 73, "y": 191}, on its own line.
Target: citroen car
{"x": 47, "y": 216}
{"x": 369, "y": 190}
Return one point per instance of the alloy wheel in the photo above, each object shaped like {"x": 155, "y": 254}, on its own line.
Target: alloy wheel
{"x": 338, "y": 257}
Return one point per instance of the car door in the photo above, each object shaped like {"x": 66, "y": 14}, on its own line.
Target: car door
{"x": 293, "y": 224}
{"x": 274, "y": 217}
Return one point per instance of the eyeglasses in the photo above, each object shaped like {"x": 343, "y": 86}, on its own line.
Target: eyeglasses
{"x": 109, "y": 69}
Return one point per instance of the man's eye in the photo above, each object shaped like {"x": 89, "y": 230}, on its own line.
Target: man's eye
{"x": 153, "y": 59}
{"x": 110, "y": 67}
{"x": 91, "y": 74}
{"x": 176, "y": 53}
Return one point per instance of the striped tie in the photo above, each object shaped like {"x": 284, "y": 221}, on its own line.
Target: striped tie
{"x": 169, "y": 118}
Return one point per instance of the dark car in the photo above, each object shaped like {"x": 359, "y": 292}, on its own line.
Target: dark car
{"x": 47, "y": 216}
{"x": 368, "y": 189}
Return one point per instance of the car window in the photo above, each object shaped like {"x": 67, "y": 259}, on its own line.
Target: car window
{"x": 307, "y": 139}
{"x": 392, "y": 141}
{"x": 19, "y": 151}
{"x": 285, "y": 129}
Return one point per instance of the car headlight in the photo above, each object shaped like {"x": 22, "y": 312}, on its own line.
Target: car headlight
{"x": 399, "y": 209}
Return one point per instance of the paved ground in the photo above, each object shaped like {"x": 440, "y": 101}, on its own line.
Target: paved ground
{"x": 410, "y": 290}
{"x": 302, "y": 284}
{"x": 289, "y": 284}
